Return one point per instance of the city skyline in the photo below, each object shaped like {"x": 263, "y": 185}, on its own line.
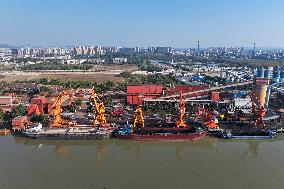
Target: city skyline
{"x": 131, "y": 23}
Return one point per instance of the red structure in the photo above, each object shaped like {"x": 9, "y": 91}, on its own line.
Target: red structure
{"x": 187, "y": 88}
{"x": 215, "y": 96}
{"x": 136, "y": 93}
{"x": 33, "y": 109}
{"x": 19, "y": 123}
{"x": 37, "y": 106}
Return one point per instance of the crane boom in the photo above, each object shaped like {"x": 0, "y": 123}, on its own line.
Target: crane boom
{"x": 56, "y": 110}
{"x": 98, "y": 110}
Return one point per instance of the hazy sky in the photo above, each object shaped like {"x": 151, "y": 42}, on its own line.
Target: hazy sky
{"x": 177, "y": 23}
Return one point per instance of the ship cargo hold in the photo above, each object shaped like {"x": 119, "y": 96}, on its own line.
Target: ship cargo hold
{"x": 79, "y": 132}
{"x": 160, "y": 134}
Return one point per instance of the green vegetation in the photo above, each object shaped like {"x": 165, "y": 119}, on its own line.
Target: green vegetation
{"x": 19, "y": 111}
{"x": 39, "y": 119}
{"x": 147, "y": 66}
{"x": 15, "y": 112}
{"x": 150, "y": 79}
{"x": 2, "y": 114}
{"x": 109, "y": 85}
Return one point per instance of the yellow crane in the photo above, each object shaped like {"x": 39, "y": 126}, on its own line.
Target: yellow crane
{"x": 180, "y": 123}
{"x": 56, "y": 110}
{"x": 98, "y": 110}
{"x": 138, "y": 117}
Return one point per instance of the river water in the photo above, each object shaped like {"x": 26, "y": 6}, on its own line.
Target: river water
{"x": 118, "y": 164}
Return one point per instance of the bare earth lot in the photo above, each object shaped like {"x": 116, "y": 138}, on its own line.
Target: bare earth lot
{"x": 95, "y": 77}
{"x": 101, "y": 74}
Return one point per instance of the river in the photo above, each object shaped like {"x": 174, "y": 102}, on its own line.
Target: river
{"x": 118, "y": 164}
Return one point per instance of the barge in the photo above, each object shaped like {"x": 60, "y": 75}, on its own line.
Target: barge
{"x": 250, "y": 134}
{"x": 79, "y": 132}
{"x": 160, "y": 134}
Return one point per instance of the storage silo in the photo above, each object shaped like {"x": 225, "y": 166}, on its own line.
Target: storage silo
{"x": 254, "y": 72}
{"x": 276, "y": 74}
{"x": 260, "y": 73}
{"x": 267, "y": 73}
{"x": 281, "y": 76}
{"x": 260, "y": 94}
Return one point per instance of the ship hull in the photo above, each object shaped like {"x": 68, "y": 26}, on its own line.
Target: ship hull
{"x": 162, "y": 137}
{"x": 252, "y": 134}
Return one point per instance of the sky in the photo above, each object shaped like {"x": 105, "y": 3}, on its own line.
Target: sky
{"x": 176, "y": 23}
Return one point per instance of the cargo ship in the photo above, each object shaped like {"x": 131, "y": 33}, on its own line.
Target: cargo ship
{"x": 59, "y": 129}
{"x": 78, "y": 132}
{"x": 163, "y": 136}
{"x": 180, "y": 131}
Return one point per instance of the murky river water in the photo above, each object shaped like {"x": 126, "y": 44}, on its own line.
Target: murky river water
{"x": 117, "y": 164}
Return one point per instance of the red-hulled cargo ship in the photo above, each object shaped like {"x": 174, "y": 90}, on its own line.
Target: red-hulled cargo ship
{"x": 163, "y": 136}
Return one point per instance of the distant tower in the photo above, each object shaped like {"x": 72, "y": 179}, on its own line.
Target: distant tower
{"x": 198, "y": 45}
{"x": 253, "y": 52}
{"x": 198, "y": 49}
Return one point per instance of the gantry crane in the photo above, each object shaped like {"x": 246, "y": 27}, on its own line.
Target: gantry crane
{"x": 98, "y": 110}
{"x": 56, "y": 110}
{"x": 180, "y": 123}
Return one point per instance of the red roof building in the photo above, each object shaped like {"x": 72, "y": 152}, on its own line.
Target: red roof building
{"x": 136, "y": 93}
{"x": 6, "y": 100}
{"x": 144, "y": 89}
{"x": 19, "y": 123}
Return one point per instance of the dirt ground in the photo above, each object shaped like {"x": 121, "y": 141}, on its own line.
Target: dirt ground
{"x": 96, "y": 77}
{"x": 101, "y": 74}
{"x": 125, "y": 67}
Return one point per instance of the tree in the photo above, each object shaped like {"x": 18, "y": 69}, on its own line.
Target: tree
{"x": 19, "y": 111}
{"x": 2, "y": 114}
{"x": 44, "y": 89}
{"x": 125, "y": 74}
{"x": 39, "y": 119}
{"x": 78, "y": 102}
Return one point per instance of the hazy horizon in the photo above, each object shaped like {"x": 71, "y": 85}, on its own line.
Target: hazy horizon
{"x": 178, "y": 24}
